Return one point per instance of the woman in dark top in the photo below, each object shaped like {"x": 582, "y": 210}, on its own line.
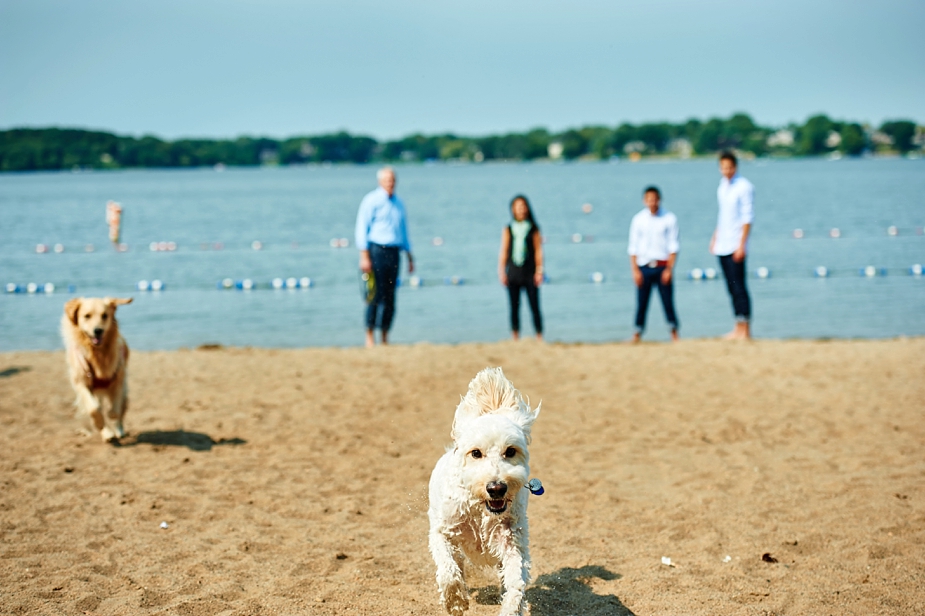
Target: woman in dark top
{"x": 520, "y": 263}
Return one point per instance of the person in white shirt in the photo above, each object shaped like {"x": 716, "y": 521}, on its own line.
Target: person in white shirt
{"x": 653, "y": 250}
{"x": 736, "y": 196}
{"x": 381, "y": 235}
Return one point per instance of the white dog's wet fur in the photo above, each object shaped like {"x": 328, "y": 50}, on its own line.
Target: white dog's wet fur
{"x": 478, "y": 499}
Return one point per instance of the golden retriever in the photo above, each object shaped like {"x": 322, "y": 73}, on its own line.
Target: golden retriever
{"x": 97, "y": 359}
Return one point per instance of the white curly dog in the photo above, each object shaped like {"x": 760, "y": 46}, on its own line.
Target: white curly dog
{"x": 478, "y": 494}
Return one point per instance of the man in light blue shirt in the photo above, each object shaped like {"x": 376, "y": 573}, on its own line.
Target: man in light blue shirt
{"x": 736, "y": 197}
{"x": 381, "y": 235}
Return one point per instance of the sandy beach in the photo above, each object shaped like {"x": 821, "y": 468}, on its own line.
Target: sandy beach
{"x": 780, "y": 477}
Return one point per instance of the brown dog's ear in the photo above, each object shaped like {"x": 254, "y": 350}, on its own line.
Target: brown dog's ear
{"x": 118, "y": 301}
{"x": 71, "y": 308}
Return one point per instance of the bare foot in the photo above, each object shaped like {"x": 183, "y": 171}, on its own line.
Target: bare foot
{"x": 674, "y": 335}
{"x": 539, "y": 337}
{"x": 370, "y": 339}
{"x": 385, "y": 338}
{"x": 515, "y": 335}
{"x": 636, "y": 339}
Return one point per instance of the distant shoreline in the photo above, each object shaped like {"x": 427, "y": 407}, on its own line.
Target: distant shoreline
{"x": 37, "y": 149}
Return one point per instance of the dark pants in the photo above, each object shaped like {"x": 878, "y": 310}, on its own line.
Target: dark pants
{"x": 735, "y": 282}
{"x": 653, "y": 276}
{"x": 533, "y": 296}
{"x": 385, "y": 260}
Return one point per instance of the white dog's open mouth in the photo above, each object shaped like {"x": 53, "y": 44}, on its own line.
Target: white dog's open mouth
{"x": 496, "y": 506}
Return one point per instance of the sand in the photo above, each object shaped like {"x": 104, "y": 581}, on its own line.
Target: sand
{"x": 294, "y": 482}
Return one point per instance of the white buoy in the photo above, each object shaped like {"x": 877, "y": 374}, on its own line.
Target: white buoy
{"x": 12, "y": 287}
{"x": 835, "y": 233}
{"x": 798, "y": 234}
{"x": 577, "y": 238}
{"x": 335, "y": 243}
{"x": 171, "y": 246}
{"x": 710, "y": 273}
{"x": 292, "y": 283}
{"x": 305, "y": 282}
{"x": 437, "y": 241}
{"x": 162, "y": 246}
{"x": 123, "y": 248}
{"x": 763, "y": 272}
{"x": 821, "y": 271}
{"x": 32, "y": 287}
{"x": 247, "y": 284}
{"x": 59, "y": 248}
{"x": 415, "y": 281}
{"x": 697, "y": 274}
{"x": 226, "y": 283}
{"x": 454, "y": 280}
{"x": 277, "y": 283}
{"x": 597, "y": 277}
{"x": 41, "y": 248}
{"x": 143, "y": 285}
{"x": 916, "y": 270}
{"x": 892, "y": 230}
{"x": 343, "y": 242}
{"x": 870, "y": 271}
{"x": 257, "y": 245}
{"x": 152, "y": 246}
{"x": 157, "y": 285}
{"x": 587, "y": 208}
{"x": 89, "y": 248}
{"x": 49, "y": 288}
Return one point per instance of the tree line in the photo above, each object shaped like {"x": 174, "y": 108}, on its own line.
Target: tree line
{"x": 25, "y": 149}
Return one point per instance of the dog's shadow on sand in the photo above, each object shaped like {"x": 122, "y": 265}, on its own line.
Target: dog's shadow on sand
{"x": 565, "y": 592}
{"x": 194, "y": 441}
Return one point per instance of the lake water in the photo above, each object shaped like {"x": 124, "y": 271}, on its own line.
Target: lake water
{"x": 295, "y": 212}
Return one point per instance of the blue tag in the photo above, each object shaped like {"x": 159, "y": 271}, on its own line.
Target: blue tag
{"x": 536, "y": 487}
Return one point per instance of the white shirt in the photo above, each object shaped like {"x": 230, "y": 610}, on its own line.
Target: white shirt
{"x": 653, "y": 238}
{"x": 381, "y": 220}
{"x": 735, "y": 199}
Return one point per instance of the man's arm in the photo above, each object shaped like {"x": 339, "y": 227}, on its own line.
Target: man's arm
{"x": 364, "y": 218}
{"x": 637, "y": 273}
{"x": 747, "y": 215}
{"x": 739, "y": 255}
{"x": 674, "y": 245}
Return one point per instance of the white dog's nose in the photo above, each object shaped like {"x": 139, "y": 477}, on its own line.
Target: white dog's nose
{"x": 496, "y": 489}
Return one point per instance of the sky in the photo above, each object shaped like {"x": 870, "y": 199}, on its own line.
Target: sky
{"x": 278, "y": 68}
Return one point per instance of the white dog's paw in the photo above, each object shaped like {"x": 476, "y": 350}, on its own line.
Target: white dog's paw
{"x": 118, "y": 429}
{"x": 518, "y": 607}
{"x": 456, "y": 599}
{"x": 108, "y": 435}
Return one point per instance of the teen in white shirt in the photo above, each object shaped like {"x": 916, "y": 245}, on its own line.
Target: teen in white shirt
{"x": 653, "y": 248}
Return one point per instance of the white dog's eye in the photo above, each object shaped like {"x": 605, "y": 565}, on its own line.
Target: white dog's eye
{"x": 105, "y": 316}
{"x": 475, "y": 453}
{"x": 510, "y": 452}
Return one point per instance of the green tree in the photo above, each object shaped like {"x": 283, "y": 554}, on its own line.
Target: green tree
{"x": 902, "y": 132}
{"x": 853, "y": 141}
{"x": 813, "y": 135}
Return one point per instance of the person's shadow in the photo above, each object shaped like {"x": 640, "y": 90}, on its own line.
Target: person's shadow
{"x": 195, "y": 441}
{"x": 565, "y": 592}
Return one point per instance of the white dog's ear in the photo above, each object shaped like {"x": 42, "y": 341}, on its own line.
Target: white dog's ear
{"x": 525, "y": 419}
{"x": 117, "y": 301}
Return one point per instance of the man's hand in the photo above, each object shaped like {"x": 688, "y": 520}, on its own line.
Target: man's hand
{"x": 502, "y": 277}
{"x": 366, "y": 266}
{"x": 538, "y": 278}
{"x": 666, "y": 276}
{"x": 637, "y": 276}
{"x": 739, "y": 255}
{"x": 410, "y": 264}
